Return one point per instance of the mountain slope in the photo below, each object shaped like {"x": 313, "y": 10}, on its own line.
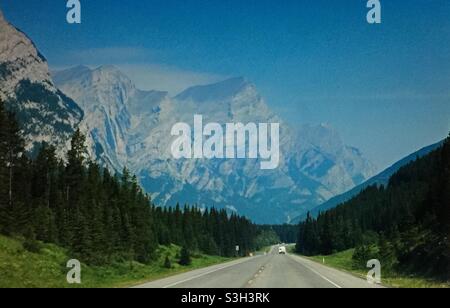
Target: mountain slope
{"x": 132, "y": 128}
{"x": 404, "y": 224}
{"x": 103, "y": 94}
{"x": 380, "y": 179}
{"x": 45, "y": 113}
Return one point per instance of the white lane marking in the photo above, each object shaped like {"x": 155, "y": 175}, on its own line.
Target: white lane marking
{"x": 320, "y": 275}
{"x": 204, "y": 274}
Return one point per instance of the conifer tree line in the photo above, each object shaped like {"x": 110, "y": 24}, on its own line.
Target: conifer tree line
{"x": 405, "y": 225}
{"x": 100, "y": 217}
{"x": 285, "y": 233}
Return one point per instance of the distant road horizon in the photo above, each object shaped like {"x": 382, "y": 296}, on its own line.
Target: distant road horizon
{"x": 263, "y": 271}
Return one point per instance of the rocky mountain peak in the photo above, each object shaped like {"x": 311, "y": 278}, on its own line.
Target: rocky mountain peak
{"x": 71, "y": 73}
{"x": 27, "y": 88}
{"x": 218, "y": 91}
{"x": 19, "y": 54}
{"x": 111, "y": 77}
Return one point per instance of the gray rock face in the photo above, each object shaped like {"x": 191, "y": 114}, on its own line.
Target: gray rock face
{"x": 46, "y": 114}
{"x": 130, "y": 127}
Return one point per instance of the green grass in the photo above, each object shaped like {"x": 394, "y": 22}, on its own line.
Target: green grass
{"x": 47, "y": 269}
{"x": 343, "y": 261}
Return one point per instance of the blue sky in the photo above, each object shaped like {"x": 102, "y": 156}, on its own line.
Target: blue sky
{"x": 385, "y": 88}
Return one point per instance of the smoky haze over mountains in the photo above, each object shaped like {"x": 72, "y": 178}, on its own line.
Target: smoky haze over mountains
{"x": 130, "y": 127}
{"x": 384, "y": 88}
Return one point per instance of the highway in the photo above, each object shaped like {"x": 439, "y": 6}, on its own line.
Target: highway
{"x": 264, "y": 271}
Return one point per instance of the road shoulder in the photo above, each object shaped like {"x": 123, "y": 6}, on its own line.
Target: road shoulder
{"x": 339, "y": 278}
{"x": 178, "y": 279}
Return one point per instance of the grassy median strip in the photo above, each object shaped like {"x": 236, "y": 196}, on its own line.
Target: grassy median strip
{"x": 20, "y": 268}
{"x": 343, "y": 261}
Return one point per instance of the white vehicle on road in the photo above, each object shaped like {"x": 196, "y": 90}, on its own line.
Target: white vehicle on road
{"x": 282, "y": 250}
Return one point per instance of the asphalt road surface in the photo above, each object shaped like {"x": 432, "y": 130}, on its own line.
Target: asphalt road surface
{"x": 264, "y": 271}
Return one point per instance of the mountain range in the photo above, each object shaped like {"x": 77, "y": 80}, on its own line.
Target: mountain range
{"x": 129, "y": 127}
{"x": 381, "y": 179}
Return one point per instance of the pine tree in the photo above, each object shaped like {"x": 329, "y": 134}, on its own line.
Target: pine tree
{"x": 75, "y": 168}
{"x": 5, "y": 219}
{"x": 167, "y": 263}
{"x": 13, "y": 177}
{"x": 99, "y": 217}
{"x": 43, "y": 193}
{"x": 185, "y": 257}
